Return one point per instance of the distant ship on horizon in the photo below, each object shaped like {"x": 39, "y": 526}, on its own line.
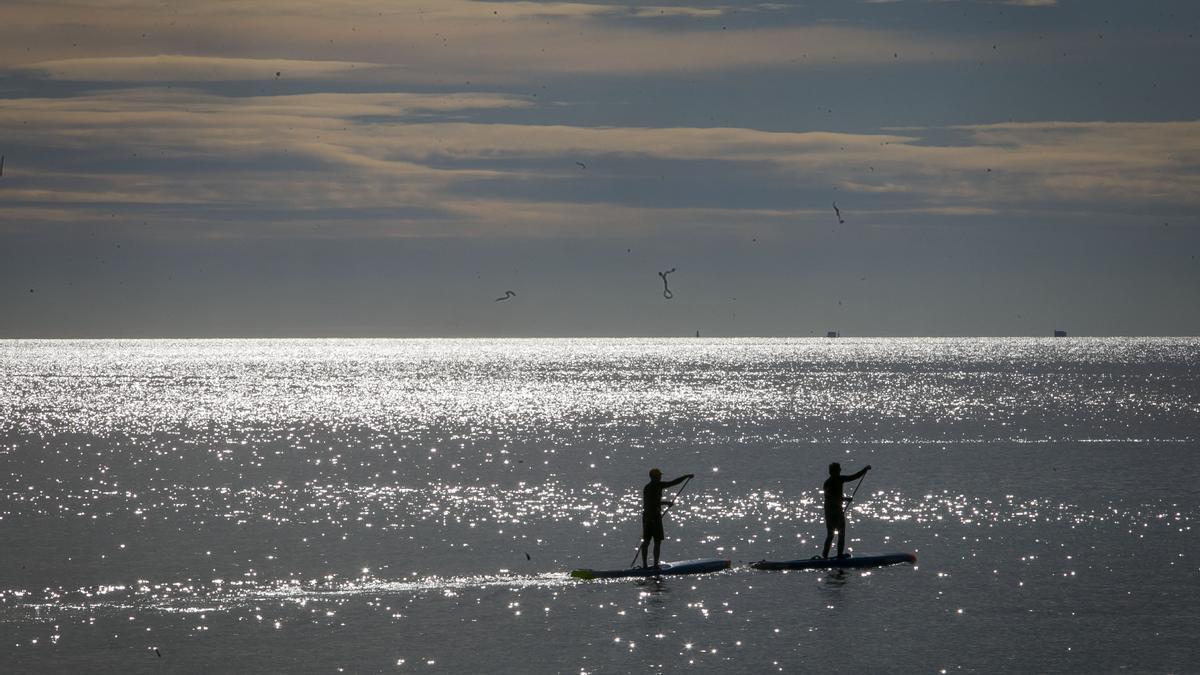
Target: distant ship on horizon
{"x": 833, "y": 333}
{"x": 1060, "y": 333}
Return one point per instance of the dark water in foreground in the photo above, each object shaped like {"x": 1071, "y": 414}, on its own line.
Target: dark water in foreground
{"x": 325, "y": 505}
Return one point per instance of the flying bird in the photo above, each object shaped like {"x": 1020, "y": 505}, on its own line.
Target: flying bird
{"x": 666, "y": 289}
{"x": 507, "y": 295}
{"x": 581, "y": 165}
{"x": 839, "y": 214}
{"x": 1, "y": 165}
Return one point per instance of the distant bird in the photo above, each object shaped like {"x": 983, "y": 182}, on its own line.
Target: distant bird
{"x": 158, "y": 652}
{"x": 1, "y": 165}
{"x": 666, "y": 289}
{"x": 581, "y": 165}
{"x": 839, "y": 214}
{"x": 507, "y": 295}
{"x": 527, "y": 557}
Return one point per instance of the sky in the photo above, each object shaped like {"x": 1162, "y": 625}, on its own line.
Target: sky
{"x": 387, "y": 168}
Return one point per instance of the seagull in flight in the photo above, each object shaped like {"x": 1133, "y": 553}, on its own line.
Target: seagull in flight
{"x": 581, "y": 165}
{"x": 839, "y": 214}
{"x": 507, "y": 295}
{"x": 666, "y": 289}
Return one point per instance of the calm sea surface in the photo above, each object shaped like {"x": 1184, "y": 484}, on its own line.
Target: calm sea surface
{"x": 364, "y": 506}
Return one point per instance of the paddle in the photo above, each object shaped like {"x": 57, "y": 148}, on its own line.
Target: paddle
{"x": 852, "y": 494}
{"x": 677, "y": 493}
{"x": 637, "y": 551}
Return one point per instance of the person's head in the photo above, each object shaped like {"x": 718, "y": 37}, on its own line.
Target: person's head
{"x": 835, "y": 469}
{"x": 655, "y": 474}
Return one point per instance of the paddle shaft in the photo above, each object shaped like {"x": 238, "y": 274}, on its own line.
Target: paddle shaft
{"x": 852, "y": 494}
{"x": 637, "y": 551}
{"x": 677, "y": 493}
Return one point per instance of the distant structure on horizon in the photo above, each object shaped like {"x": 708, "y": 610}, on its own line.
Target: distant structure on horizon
{"x": 833, "y": 333}
{"x": 1060, "y": 333}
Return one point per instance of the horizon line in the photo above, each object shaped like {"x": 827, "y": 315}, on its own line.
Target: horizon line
{"x": 591, "y": 337}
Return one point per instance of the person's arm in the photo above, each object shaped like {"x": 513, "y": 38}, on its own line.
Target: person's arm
{"x": 679, "y": 480}
{"x": 860, "y": 474}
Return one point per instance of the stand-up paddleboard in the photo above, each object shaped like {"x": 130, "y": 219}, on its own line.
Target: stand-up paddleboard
{"x": 836, "y": 563}
{"x": 685, "y": 567}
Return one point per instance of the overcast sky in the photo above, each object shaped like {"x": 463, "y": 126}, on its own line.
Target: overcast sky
{"x": 379, "y": 168}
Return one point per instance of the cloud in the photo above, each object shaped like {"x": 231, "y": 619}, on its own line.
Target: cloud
{"x": 176, "y": 68}
{"x": 391, "y": 164}
{"x": 113, "y": 105}
{"x": 445, "y": 41}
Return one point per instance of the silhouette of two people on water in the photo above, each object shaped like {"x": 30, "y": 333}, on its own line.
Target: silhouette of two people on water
{"x": 835, "y": 507}
{"x": 652, "y": 510}
{"x": 836, "y": 504}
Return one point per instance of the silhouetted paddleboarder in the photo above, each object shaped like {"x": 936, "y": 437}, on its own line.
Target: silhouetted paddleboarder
{"x": 652, "y": 510}
{"x": 835, "y": 503}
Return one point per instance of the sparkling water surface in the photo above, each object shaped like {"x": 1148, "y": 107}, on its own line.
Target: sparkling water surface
{"x": 416, "y": 505}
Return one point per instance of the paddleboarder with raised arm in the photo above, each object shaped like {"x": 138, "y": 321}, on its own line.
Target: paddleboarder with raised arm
{"x": 835, "y": 507}
{"x": 652, "y": 510}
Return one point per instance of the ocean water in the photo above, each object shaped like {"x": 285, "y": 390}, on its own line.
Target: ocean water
{"x": 415, "y": 506}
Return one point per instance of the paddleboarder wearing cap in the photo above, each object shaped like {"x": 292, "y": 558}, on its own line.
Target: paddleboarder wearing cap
{"x": 835, "y": 507}
{"x": 652, "y": 510}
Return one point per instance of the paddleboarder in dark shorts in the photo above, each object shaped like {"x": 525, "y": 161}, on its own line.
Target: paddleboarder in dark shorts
{"x": 652, "y": 503}
{"x": 835, "y": 509}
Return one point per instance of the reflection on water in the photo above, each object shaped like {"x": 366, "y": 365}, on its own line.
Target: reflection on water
{"x": 367, "y": 505}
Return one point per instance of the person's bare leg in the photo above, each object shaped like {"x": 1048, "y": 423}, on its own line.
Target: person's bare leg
{"x": 657, "y": 547}
{"x": 645, "y": 545}
{"x": 828, "y": 540}
{"x": 842, "y": 542}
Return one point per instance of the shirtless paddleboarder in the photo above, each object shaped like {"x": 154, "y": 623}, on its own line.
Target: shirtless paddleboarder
{"x": 835, "y": 507}
{"x": 652, "y": 510}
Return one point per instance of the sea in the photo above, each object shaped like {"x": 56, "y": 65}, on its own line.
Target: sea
{"x": 361, "y": 506}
